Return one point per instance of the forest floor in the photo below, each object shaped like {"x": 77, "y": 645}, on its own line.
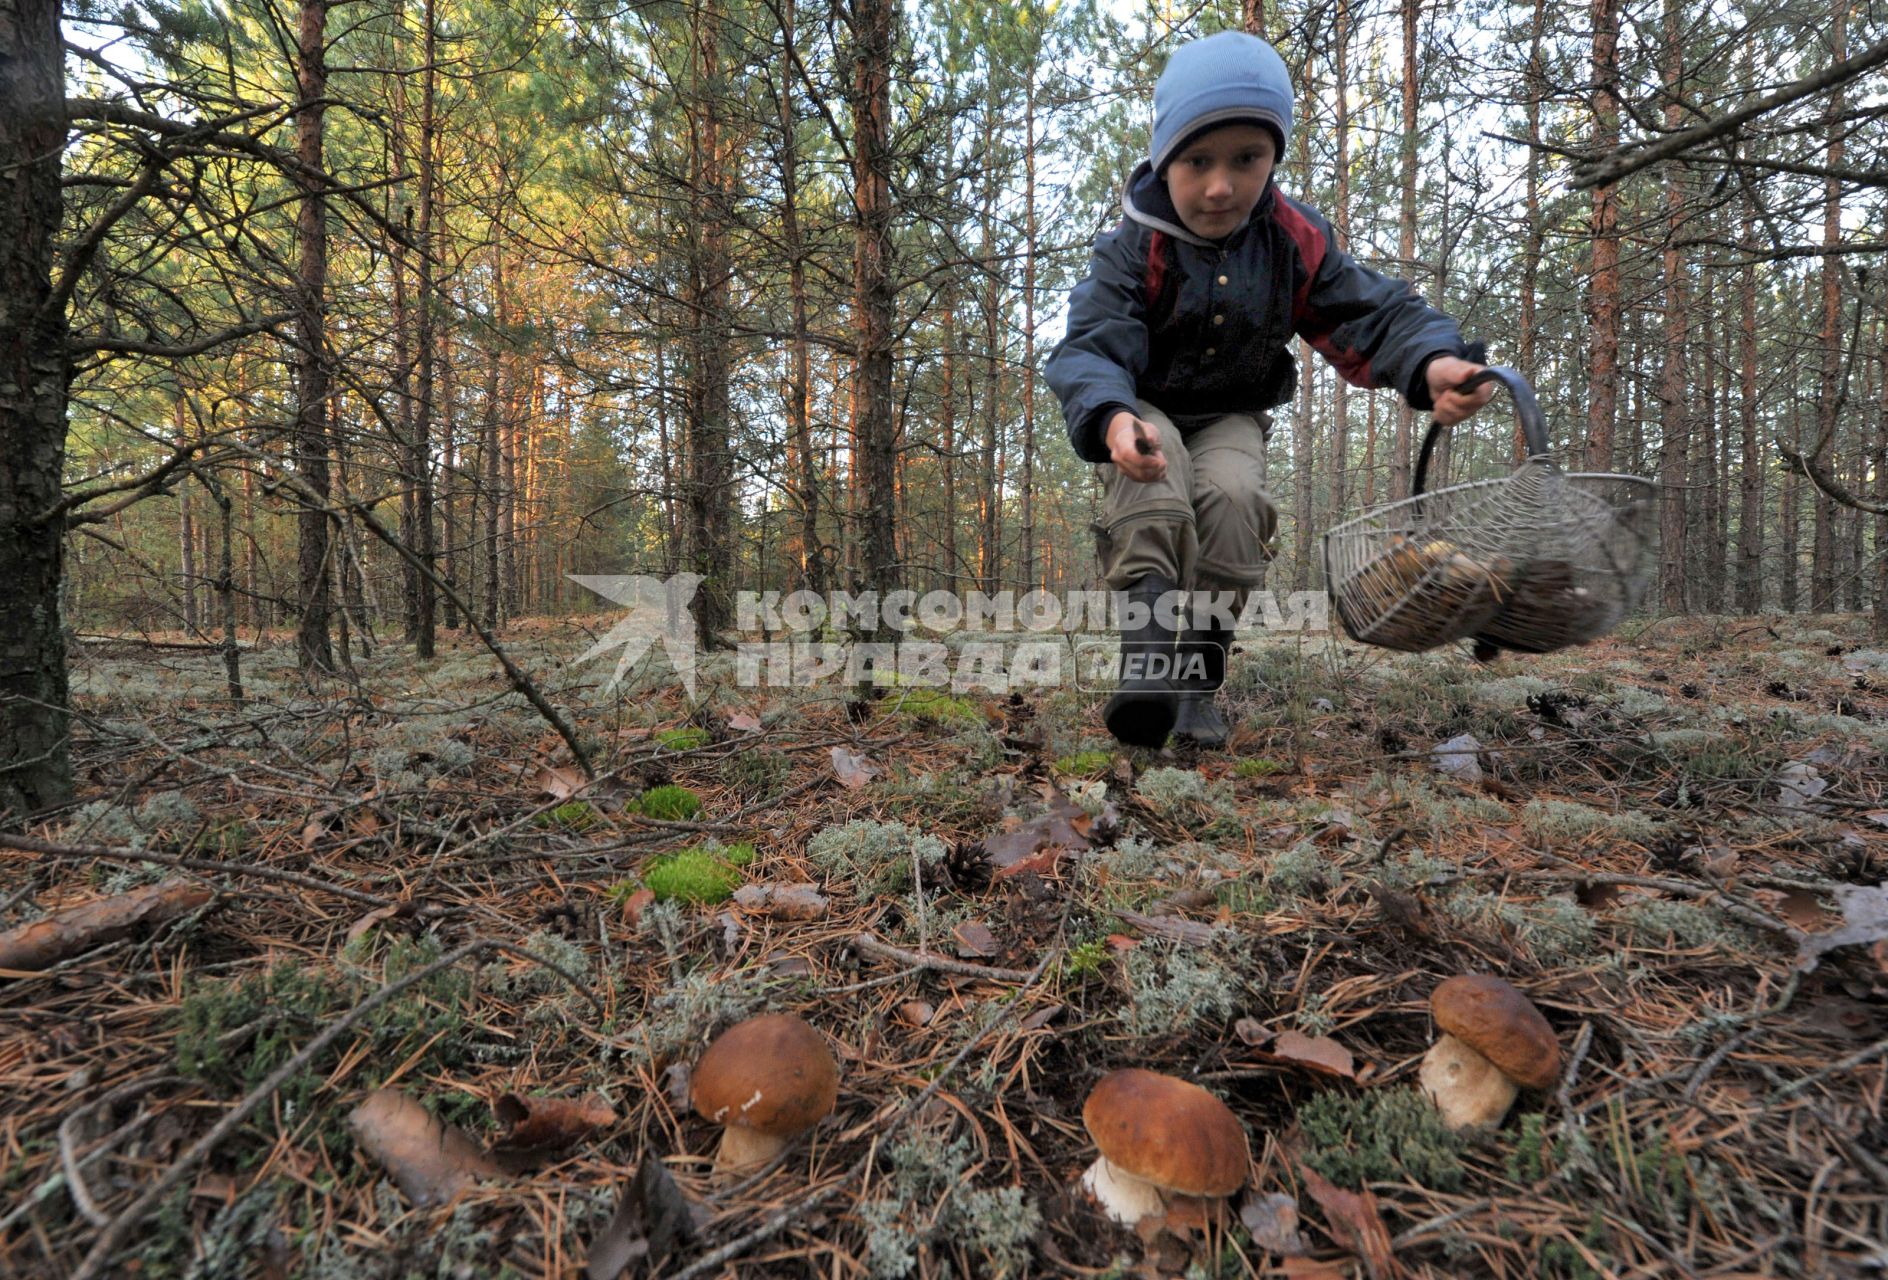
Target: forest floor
{"x": 1650, "y": 836}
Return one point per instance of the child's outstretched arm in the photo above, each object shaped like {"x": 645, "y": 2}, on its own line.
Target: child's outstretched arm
{"x": 1376, "y": 330}
{"x": 1094, "y": 368}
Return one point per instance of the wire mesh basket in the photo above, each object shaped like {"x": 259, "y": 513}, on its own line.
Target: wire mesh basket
{"x": 1533, "y": 561}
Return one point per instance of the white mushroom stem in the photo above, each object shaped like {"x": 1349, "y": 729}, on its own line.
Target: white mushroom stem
{"x": 1467, "y": 1088}
{"x": 743, "y": 1148}
{"x": 1126, "y": 1198}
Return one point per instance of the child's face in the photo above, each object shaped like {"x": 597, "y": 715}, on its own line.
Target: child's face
{"x": 1216, "y": 181}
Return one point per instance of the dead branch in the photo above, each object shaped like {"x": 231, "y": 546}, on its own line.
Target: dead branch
{"x": 872, "y": 945}
{"x": 106, "y": 853}
{"x": 1631, "y": 157}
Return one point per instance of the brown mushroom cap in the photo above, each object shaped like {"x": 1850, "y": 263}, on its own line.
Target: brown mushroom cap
{"x": 772, "y": 1074}
{"x": 1501, "y": 1024}
{"x": 1169, "y": 1132}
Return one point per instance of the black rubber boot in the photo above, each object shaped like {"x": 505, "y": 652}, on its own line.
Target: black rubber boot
{"x": 1199, "y": 722}
{"x": 1142, "y": 710}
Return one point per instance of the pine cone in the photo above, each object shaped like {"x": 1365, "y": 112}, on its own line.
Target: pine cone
{"x": 967, "y": 867}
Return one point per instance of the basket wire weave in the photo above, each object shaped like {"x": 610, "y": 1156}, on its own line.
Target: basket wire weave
{"x": 1533, "y": 561}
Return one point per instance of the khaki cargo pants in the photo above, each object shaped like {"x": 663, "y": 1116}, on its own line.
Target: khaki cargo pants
{"x": 1207, "y": 525}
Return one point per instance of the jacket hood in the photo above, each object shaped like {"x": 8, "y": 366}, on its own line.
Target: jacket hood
{"x": 1224, "y": 79}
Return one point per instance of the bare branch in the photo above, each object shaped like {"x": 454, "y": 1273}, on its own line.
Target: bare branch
{"x": 1603, "y": 170}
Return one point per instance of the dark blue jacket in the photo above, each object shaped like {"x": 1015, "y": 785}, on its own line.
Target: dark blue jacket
{"x": 1201, "y": 329}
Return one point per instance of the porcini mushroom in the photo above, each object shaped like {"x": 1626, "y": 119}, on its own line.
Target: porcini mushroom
{"x": 1160, "y": 1137}
{"x": 1494, "y": 1042}
{"x": 766, "y": 1081}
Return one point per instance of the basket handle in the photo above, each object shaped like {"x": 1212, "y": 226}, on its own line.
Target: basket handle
{"x": 1526, "y": 407}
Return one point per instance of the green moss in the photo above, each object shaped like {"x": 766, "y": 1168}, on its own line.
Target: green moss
{"x": 670, "y": 803}
{"x": 683, "y": 739}
{"x": 1083, "y": 763}
{"x": 934, "y": 706}
{"x": 224, "y": 840}
{"x": 572, "y": 815}
{"x": 694, "y": 874}
{"x": 1257, "y": 767}
{"x": 1085, "y": 958}
{"x": 758, "y": 773}
{"x": 1527, "y": 1159}
{"x": 1382, "y": 1135}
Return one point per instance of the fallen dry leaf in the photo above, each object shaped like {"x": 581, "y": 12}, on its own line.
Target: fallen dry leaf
{"x": 1038, "y": 864}
{"x": 537, "y": 1125}
{"x": 745, "y": 722}
{"x": 71, "y": 930}
{"x": 1195, "y": 1213}
{"x": 799, "y": 901}
{"x": 1355, "y": 1224}
{"x": 559, "y": 782}
{"x": 917, "y": 1012}
{"x": 1800, "y": 907}
{"x": 1042, "y": 1017}
{"x": 1320, "y": 1053}
{"x": 852, "y": 769}
{"x": 974, "y": 940}
{"x": 380, "y": 915}
{"x": 652, "y": 1218}
{"x": 637, "y": 903}
{"x": 1865, "y": 922}
{"x": 1187, "y": 932}
{"x": 1272, "y": 1219}
{"x": 429, "y": 1161}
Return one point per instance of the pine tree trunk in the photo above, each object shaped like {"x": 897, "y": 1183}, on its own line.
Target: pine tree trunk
{"x": 1790, "y": 515}
{"x": 35, "y": 763}
{"x": 1602, "y": 298}
{"x": 490, "y": 449}
{"x": 1751, "y": 475}
{"x": 804, "y": 476}
{"x": 1822, "y": 575}
{"x": 1674, "y": 423}
{"x": 1029, "y": 330}
{"x": 709, "y": 462}
{"x": 1400, "y": 455}
{"x": 186, "y": 527}
{"x": 989, "y": 549}
{"x": 1527, "y": 359}
{"x": 874, "y": 292}
{"x": 311, "y": 411}
{"x": 1340, "y": 223}
{"x": 947, "y": 431}
{"x": 422, "y": 480}
{"x": 1881, "y": 481}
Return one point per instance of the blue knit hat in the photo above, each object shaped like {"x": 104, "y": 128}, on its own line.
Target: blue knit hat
{"x": 1229, "y": 78}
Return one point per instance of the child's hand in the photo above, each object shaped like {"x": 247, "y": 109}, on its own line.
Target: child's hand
{"x": 1134, "y": 446}
{"x": 1445, "y": 374}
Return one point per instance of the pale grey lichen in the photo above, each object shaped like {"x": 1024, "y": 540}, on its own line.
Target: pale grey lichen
{"x": 1565, "y": 820}
{"x": 1684, "y": 924}
{"x": 928, "y": 1199}
{"x": 1172, "y": 987}
{"x": 875, "y": 857}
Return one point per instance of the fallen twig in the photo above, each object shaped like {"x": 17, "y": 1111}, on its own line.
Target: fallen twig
{"x": 873, "y": 945}
{"x": 30, "y": 844}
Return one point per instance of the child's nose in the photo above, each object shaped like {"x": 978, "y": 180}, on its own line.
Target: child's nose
{"x": 1219, "y": 183}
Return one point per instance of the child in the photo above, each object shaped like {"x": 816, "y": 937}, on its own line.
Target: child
{"x": 1177, "y": 347}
